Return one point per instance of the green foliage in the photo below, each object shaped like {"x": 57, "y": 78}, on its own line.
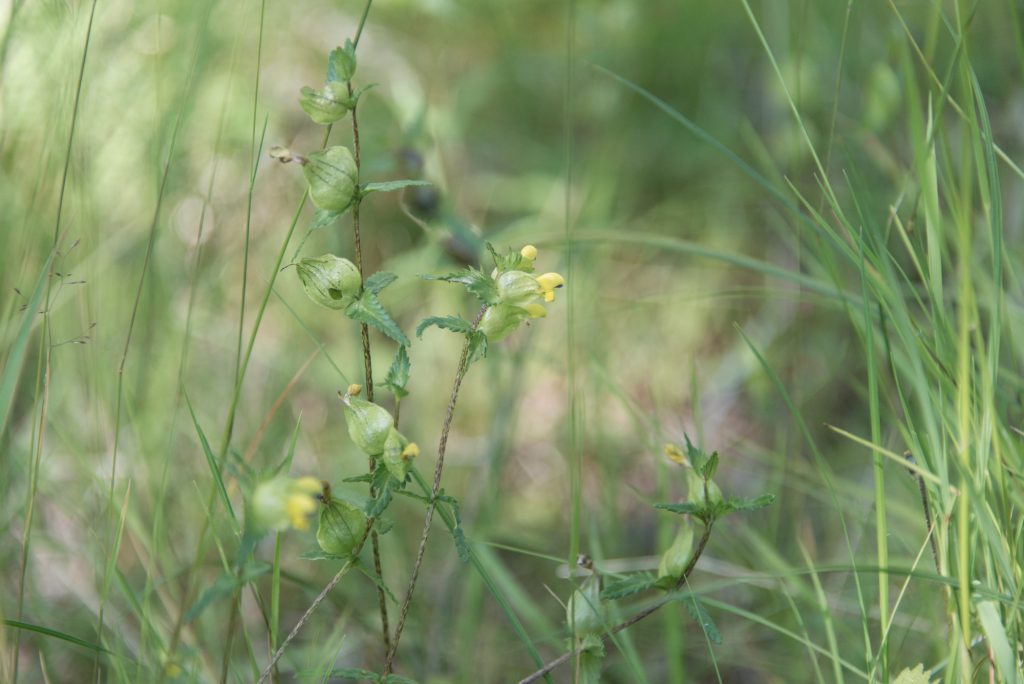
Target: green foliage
{"x": 368, "y": 309}
{"x": 456, "y": 324}
{"x": 476, "y": 282}
{"x": 699, "y": 613}
{"x": 629, "y": 585}
{"x": 391, "y": 186}
{"x": 226, "y": 585}
{"x": 341, "y": 62}
{"x": 398, "y": 374}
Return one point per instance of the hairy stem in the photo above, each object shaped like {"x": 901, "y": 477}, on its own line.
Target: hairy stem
{"x": 349, "y": 564}
{"x": 438, "y": 468}
{"x": 629, "y": 622}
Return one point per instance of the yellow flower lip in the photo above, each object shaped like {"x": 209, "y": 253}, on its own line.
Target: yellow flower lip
{"x": 529, "y": 252}
{"x": 411, "y": 451}
{"x": 548, "y": 283}
{"x": 298, "y": 506}
{"x": 354, "y": 390}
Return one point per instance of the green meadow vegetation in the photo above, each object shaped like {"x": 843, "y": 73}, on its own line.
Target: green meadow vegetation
{"x": 451, "y": 341}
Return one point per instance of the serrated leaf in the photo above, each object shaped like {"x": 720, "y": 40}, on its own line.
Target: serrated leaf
{"x": 398, "y": 374}
{"x": 477, "y": 345}
{"x": 695, "y": 455}
{"x": 699, "y": 613}
{"x": 397, "y": 679}
{"x": 354, "y": 673}
{"x": 368, "y": 309}
{"x": 458, "y": 535}
{"x": 512, "y": 260}
{"x": 478, "y": 283}
{"x": 456, "y": 324}
{"x": 708, "y": 471}
{"x": 365, "y": 477}
{"x": 918, "y": 675}
{"x": 378, "y": 281}
{"x": 391, "y": 186}
{"x": 223, "y": 587}
{"x": 684, "y": 508}
{"x": 380, "y": 503}
{"x": 738, "y": 504}
{"x": 341, "y": 62}
{"x": 633, "y": 584}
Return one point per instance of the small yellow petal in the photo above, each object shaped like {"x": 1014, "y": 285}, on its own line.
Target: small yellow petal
{"x": 675, "y": 454}
{"x": 549, "y": 296}
{"x": 529, "y": 252}
{"x": 411, "y": 451}
{"x": 550, "y": 281}
{"x": 354, "y": 390}
{"x": 536, "y": 310}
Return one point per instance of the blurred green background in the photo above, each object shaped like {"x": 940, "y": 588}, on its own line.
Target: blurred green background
{"x": 535, "y": 122}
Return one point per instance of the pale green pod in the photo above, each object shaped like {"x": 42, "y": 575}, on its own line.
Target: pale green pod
{"x": 517, "y": 288}
{"x": 677, "y": 556}
{"x": 585, "y": 613}
{"x": 332, "y": 176}
{"x": 341, "y": 528}
{"x": 500, "y": 320}
{"x": 695, "y": 490}
{"x": 397, "y": 462}
{"x": 327, "y": 105}
{"x": 330, "y": 280}
{"x": 369, "y": 425}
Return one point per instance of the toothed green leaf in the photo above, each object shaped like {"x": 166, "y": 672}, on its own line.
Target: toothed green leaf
{"x": 368, "y": 309}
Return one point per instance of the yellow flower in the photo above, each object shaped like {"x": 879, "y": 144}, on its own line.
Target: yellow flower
{"x": 549, "y": 282}
{"x": 675, "y": 454}
{"x": 284, "y": 501}
{"x": 529, "y": 252}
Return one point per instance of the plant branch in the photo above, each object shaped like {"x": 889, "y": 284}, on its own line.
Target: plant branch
{"x": 349, "y": 564}
{"x": 367, "y": 357}
{"x": 629, "y": 622}
{"x": 438, "y": 468}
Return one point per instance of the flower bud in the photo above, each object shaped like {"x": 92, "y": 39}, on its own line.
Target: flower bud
{"x": 329, "y": 280}
{"x": 529, "y": 252}
{"x": 332, "y": 176}
{"x": 325, "y": 106}
{"x": 584, "y": 613}
{"x": 677, "y": 557}
{"x": 341, "y": 528}
{"x": 369, "y": 425}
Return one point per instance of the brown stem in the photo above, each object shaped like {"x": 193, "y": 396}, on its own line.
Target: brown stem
{"x": 629, "y": 622}
{"x": 317, "y": 601}
{"x": 438, "y": 468}
{"x": 368, "y": 373}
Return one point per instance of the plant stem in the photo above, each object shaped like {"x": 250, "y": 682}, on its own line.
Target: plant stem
{"x": 317, "y": 601}
{"x": 629, "y": 622}
{"x": 367, "y": 357}
{"x": 438, "y": 468}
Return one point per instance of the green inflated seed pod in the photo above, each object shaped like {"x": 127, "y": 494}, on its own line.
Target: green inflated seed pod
{"x": 695, "y": 490}
{"x": 398, "y": 454}
{"x": 584, "y": 613}
{"x": 330, "y": 280}
{"x": 500, "y": 320}
{"x": 517, "y": 288}
{"x": 677, "y": 556}
{"x": 332, "y": 176}
{"x": 369, "y": 425}
{"x": 327, "y": 105}
{"x": 341, "y": 527}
